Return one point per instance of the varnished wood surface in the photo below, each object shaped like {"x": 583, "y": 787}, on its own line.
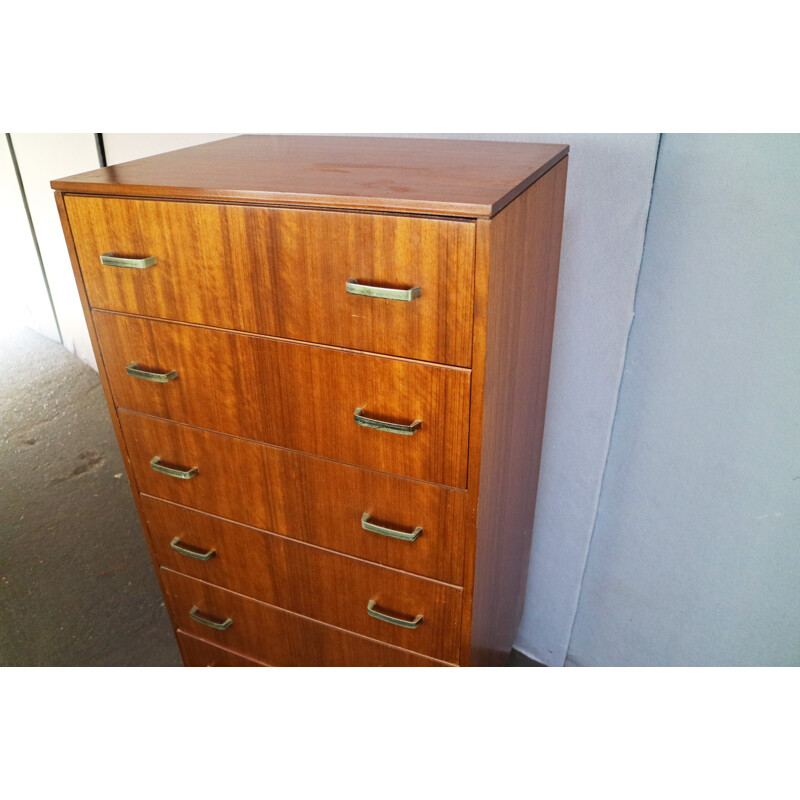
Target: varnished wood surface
{"x": 279, "y": 638}
{"x": 283, "y": 272}
{"x": 524, "y": 244}
{"x": 480, "y": 313}
{"x": 435, "y": 176}
{"x": 279, "y": 394}
{"x": 294, "y": 395}
{"x": 310, "y": 499}
{"x": 308, "y": 580}
{"x": 197, "y": 653}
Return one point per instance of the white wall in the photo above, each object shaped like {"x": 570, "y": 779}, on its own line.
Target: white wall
{"x": 608, "y": 195}
{"x": 43, "y": 157}
{"x": 121, "y": 147}
{"x": 695, "y": 559}
{"x": 24, "y": 299}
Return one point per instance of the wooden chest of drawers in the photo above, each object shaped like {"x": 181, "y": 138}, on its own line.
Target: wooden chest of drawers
{"x": 326, "y": 360}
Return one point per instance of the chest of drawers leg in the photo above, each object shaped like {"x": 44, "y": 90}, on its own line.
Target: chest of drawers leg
{"x": 330, "y": 397}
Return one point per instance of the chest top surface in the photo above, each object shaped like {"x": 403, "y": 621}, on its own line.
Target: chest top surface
{"x": 446, "y": 177}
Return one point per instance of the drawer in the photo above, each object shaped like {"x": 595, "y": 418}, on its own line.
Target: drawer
{"x": 307, "y": 580}
{"x": 293, "y": 395}
{"x": 197, "y": 653}
{"x": 310, "y": 499}
{"x": 284, "y": 272}
{"x": 279, "y": 638}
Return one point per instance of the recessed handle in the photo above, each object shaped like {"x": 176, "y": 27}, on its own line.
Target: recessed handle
{"x": 373, "y": 528}
{"x": 382, "y": 425}
{"x": 406, "y": 295}
{"x": 403, "y": 623}
{"x": 185, "y": 474}
{"x": 179, "y": 547}
{"x": 110, "y": 260}
{"x": 158, "y": 377}
{"x": 218, "y": 625}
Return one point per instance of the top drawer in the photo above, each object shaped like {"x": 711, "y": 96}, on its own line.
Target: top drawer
{"x": 285, "y": 272}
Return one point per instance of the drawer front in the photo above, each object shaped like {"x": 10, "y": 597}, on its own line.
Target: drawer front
{"x": 293, "y": 395}
{"x": 197, "y": 653}
{"x": 279, "y": 638}
{"x": 307, "y": 580}
{"x": 306, "y": 498}
{"x": 284, "y": 272}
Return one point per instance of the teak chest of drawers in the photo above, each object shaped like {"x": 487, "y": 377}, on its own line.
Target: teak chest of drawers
{"x": 326, "y": 360}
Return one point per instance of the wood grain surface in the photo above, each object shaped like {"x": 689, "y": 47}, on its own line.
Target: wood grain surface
{"x": 308, "y": 580}
{"x": 292, "y": 395}
{"x": 523, "y": 245}
{"x": 271, "y": 367}
{"x": 434, "y": 176}
{"x": 310, "y": 499}
{"x": 279, "y": 638}
{"x": 197, "y": 653}
{"x": 283, "y": 272}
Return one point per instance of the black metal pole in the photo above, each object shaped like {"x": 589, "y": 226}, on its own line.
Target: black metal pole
{"x": 101, "y": 149}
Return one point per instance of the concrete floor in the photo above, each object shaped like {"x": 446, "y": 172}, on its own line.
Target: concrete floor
{"x": 77, "y": 586}
{"x": 76, "y": 582}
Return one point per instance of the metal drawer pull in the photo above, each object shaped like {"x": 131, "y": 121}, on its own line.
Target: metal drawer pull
{"x": 403, "y": 623}
{"x": 389, "y": 427}
{"x": 371, "y": 526}
{"x": 406, "y": 295}
{"x": 159, "y": 377}
{"x": 198, "y": 616}
{"x": 186, "y": 474}
{"x": 177, "y": 545}
{"x": 110, "y": 260}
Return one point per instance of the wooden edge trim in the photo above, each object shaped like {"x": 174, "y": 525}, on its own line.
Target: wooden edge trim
{"x": 443, "y": 209}
{"x": 529, "y": 181}
{"x": 108, "y": 195}
{"x": 480, "y": 315}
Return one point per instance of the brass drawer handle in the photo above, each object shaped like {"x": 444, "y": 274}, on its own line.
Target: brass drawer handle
{"x": 110, "y": 260}
{"x": 406, "y": 295}
{"x": 403, "y": 623}
{"x": 178, "y": 546}
{"x": 198, "y": 616}
{"x": 158, "y": 377}
{"x": 389, "y": 427}
{"x": 185, "y": 474}
{"x": 373, "y": 528}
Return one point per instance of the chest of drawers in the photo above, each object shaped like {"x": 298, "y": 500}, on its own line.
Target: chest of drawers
{"x": 326, "y": 360}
